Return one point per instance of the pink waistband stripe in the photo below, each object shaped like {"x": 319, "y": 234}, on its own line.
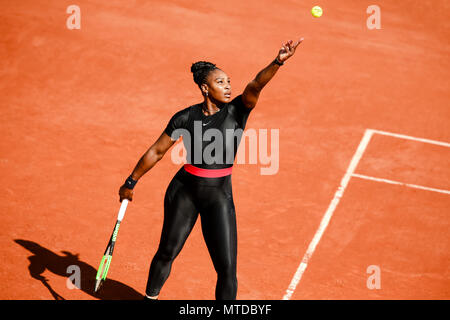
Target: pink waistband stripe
{"x": 207, "y": 173}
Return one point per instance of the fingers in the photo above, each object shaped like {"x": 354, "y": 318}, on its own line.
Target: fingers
{"x": 298, "y": 42}
{"x": 290, "y": 46}
{"x": 125, "y": 193}
{"x": 129, "y": 198}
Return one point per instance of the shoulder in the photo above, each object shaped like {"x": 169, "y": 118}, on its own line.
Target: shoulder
{"x": 238, "y": 110}
{"x": 179, "y": 120}
{"x": 181, "y": 117}
{"x": 183, "y": 113}
{"x": 237, "y": 101}
{"x": 237, "y": 106}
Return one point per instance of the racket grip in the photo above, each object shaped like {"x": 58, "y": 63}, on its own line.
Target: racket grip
{"x": 123, "y": 208}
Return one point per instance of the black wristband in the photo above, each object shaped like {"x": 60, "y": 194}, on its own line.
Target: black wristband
{"x": 278, "y": 62}
{"x": 130, "y": 183}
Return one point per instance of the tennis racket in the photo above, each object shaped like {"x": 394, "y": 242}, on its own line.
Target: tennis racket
{"x": 107, "y": 256}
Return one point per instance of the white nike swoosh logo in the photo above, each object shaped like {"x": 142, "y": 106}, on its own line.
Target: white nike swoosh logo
{"x": 204, "y": 124}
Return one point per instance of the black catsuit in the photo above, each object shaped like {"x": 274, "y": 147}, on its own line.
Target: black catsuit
{"x": 189, "y": 195}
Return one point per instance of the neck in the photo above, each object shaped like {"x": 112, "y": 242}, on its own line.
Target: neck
{"x": 209, "y": 107}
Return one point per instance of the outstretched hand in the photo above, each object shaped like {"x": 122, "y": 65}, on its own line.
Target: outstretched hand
{"x": 288, "y": 49}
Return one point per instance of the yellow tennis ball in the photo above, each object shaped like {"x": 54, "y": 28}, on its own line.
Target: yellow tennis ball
{"x": 316, "y": 11}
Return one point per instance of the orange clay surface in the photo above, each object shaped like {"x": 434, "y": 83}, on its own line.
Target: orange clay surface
{"x": 79, "y": 108}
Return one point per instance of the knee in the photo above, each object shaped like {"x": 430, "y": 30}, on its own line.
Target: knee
{"x": 166, "y": 254}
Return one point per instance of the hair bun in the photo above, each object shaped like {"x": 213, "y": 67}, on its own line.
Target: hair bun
{"x": 201, "y": 65}
{"x": 201, "y": 69}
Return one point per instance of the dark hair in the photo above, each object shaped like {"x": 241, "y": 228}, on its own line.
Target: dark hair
{"x": 201, "y": 69}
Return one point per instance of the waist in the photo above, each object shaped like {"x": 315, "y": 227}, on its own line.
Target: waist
{"x": 207, "y": 173}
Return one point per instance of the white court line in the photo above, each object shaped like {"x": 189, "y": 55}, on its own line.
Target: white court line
{"x": 329, "y": 213}
{"x": 402, "y": 136}
{"x": 400, "y": 183}
{"x": 339, "y": 193}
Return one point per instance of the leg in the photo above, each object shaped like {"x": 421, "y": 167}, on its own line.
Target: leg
{"x": 180, "y": 215}
{"x": 219, "y": 230}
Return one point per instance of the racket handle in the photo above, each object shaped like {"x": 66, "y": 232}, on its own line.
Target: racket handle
{"x": 123, "y": 208}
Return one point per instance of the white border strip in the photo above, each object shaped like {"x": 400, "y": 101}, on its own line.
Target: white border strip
{"x": 329, "y": 213}
{"x": 400, "y": 183}
{"x": 402, "y": 136}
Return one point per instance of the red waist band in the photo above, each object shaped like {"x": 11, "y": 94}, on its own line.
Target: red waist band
{"x": 207, "y": 173}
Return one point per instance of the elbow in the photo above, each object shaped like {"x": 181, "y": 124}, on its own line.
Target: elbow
{"x": 159, "y": 156}
{"x": 155, "y": 154}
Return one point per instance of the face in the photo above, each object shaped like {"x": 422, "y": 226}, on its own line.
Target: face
{"x": 218, "y": 86}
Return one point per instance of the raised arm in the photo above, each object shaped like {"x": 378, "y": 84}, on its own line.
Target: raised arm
{"x": 146, "y": 162}
{"x": 252, "y": 90}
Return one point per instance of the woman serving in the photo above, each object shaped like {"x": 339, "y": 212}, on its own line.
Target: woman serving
{"x": 203, "y": 185}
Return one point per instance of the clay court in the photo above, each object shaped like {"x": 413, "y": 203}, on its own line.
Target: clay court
{"x": 364, "y": 146}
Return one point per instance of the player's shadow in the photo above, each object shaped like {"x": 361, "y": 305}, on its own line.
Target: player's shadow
{"x": 44, "y": 259}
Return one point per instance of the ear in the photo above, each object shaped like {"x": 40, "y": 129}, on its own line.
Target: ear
{"x": 204, "y": 88}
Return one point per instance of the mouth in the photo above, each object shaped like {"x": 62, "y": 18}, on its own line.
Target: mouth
{"x": 227, "y": 95}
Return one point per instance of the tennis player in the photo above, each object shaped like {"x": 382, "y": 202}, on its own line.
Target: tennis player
{"x": 203, "y": 186}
